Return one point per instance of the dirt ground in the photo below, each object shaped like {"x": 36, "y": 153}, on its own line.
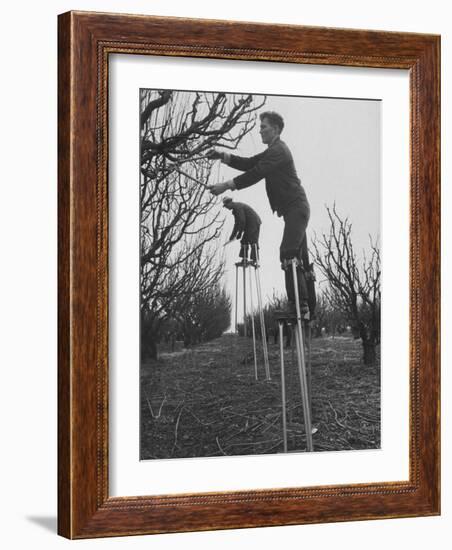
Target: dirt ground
{"x": 206, "y": 402}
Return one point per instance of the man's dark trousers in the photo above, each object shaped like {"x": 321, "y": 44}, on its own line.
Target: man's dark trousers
{"x": 294, "y": 245}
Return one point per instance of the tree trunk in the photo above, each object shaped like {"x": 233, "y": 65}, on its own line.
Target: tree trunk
{"x": 148, "y": 347}
{"x": 288, "y": 335}
{"x": 370, "y": 352}
{"x": 369, "y": 344}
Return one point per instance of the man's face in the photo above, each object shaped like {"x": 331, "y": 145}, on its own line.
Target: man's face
{"x": 267, "y": 131}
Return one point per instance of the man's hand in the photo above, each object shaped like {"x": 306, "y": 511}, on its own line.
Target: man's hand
{"x": 219, "y": 188}
{"x": 213, "y": 154}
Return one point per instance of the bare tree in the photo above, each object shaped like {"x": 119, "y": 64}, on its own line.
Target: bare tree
{"x": 179, "y": 221}
{"x": 354, "y": 287}
{"x": 194, "y": 268}
{"x": 328, "y": 318}
{"x": 206, "y": 315}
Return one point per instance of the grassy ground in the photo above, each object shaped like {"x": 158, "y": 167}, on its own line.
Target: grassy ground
{"x": 206, "y": 401}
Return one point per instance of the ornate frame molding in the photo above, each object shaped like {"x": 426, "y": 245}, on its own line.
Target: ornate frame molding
{"x": 85, "y": 42}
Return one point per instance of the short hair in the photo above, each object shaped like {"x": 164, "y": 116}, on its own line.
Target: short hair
{"x": 274, "y": 118}
{"x": 226, "y": 200}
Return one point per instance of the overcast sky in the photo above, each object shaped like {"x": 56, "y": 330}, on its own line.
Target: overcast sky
{"x": 335, "y": 144}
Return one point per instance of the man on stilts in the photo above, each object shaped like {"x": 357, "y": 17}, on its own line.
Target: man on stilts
{"x": 286, "y": 195}
{"x": 247, "y": 224}
{"x": 288, "y": 199}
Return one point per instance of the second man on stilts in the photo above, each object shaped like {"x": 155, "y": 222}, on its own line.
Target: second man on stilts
{"x": 247, "y": 224}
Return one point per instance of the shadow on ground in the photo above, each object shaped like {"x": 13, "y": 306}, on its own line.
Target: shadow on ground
{"x": 49, "y": 523}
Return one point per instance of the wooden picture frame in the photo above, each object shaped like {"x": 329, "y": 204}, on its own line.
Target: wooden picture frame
{"x": 86, "y": 40}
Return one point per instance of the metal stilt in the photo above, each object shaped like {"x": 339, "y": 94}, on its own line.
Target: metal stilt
{"x": 261, "y": 315}
{"x": 246, "y": 264}
{"x": 301, "y": 361}
{"x": 252, "y": 325}
{"x": 283, "y": 385}
{"x": 236, "y": 294}
{"x": 309, "y": 364}
{"x": 244, "y": 295}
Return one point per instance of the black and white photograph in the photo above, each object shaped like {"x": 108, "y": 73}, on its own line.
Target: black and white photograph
{"x": 260, "y": 276}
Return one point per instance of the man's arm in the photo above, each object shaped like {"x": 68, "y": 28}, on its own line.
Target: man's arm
{"x": 219, "y": 188}
{"x": 269, "y": 161}
{"x": 234, "y": 161}
{"x": 241, "y": 163}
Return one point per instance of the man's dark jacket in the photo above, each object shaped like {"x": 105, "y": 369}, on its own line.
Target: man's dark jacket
{"x": 247, "y": 222}
{"x": 276, "y": 165}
